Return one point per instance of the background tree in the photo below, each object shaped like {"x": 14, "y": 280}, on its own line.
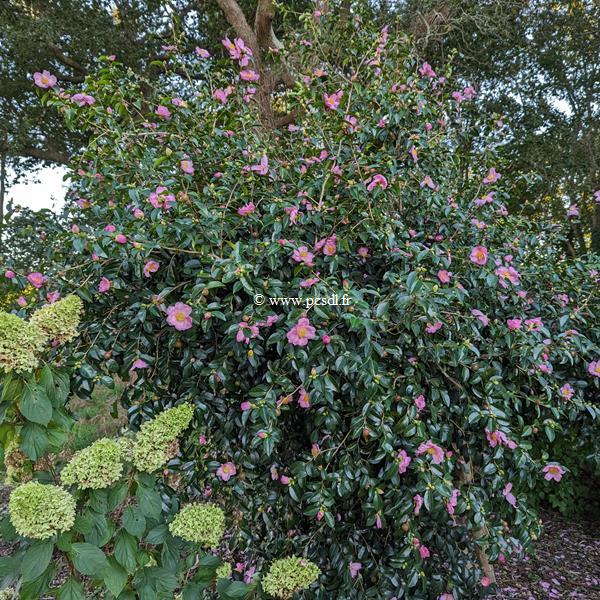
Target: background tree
{"x": 538, "y": 64}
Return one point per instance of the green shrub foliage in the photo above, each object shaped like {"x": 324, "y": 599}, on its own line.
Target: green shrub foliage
{"x": 388, "y": 441}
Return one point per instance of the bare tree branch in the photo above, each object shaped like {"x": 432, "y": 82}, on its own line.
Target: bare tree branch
{"x": 49, "y": 154}
{"x": 66, "y": 60}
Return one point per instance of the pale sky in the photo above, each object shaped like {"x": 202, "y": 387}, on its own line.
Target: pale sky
{"x": 48, "y": 193}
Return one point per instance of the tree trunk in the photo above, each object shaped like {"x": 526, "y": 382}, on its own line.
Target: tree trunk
{"x": 2, "y": 185}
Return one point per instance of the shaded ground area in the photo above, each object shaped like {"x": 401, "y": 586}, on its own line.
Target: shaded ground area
{"x": 566, "y": 564}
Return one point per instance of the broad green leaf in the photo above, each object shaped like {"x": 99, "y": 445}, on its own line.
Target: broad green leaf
{"x": 36, "y": 560}
{"x": 88, "y": 559}
{"x": 35, "y": 405}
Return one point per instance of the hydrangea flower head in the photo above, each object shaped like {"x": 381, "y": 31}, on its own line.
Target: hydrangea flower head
{"x": 287, "y": 576}
{"x": 20, "y": 343}
{"x": 95, "y": 467}
{"x": 224, "y": 571}
{"x": 154, "y": 442}
{"x": 40, "y": 511}
{"x": 59, "y": 321}
{"x": 202, "y": 524}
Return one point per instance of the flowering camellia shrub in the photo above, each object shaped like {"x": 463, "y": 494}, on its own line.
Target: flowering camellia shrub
{"x": 378, "y": 354}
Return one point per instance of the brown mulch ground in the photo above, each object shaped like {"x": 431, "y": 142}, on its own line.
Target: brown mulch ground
{"x": 566, "y": 564}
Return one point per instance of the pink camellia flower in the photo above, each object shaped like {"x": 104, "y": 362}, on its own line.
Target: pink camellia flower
{"x": 436, "y": 453}
{"x": 505, "y": 274}
{"x": 413, "y": 154}
{"x": 104, "y": 285}
{"x": 418, "y": 502}
{"x": 9, "y": 274}
{"x": 479, "y": 315}
{"x": 303, "y": 255}
{"x": 262, "y": 168}
{"x": 179, "y": 316}
{"x": 284, "y": 480}
{"x": 120, "y": 239}
{"x": 150, "y": 267}
{"x": 249, "y": 75}
{"x": 452, "y": 501}
{"x": 403, "y": 461}
{"x": 21, "y": 301}
{"x": 492, "y": 176}
{"x": 363, "y": 252}
{"x": 332, "y": 101}
{"x": 44, "y": 80}
{"x": 110, "y": 228}
{"x": 52, "y": 297}
{"x": 355, "y": 567}
{"x": 499, "y": 437}
{"x": 514, "y": 324}
{"x": 573, "y": 211}
{"x": 424, "y": 551}
{"x": 567, "y": 391}
{"x": 158, "y": 198}
{"x": 485, "y": 581}
{"x": 246, "y": 328}
{"x": 226, "y": 471}
{"x": 427, "y": 71}
{"x": 139, "y": 364}
{"x": 221, "y": 94}
{"x": 247, "y": 209}
{"x": 246, "y": 405}
{"x": 594, "y": 368}
{"x": 303, "y": 398}
{"x": 328, "y": 245}
{"x": 433, "y": 327}
{"x": 83, "y": 99}
{"x": 420, "y": 402}
{"x": 479, "y": 255}
{"x": 377, "y": 180}
{"x": 444, "y": 276}
{"x": 301, "y": 333}
{"x": 507, "y": 493}
{"x": 202, "y": 440}
{"x": 428, "y": 182}
{"x": 553, "y": 471}
{"x": 163, "y": 112}
{"x": 447, "y": 596}
{"x": 36, "y": 279}
{"x": 534, "y": 324}
{"x": 308, "y": 283}
{"x": 187, "y": 166}
{"x": 202, "y": 52}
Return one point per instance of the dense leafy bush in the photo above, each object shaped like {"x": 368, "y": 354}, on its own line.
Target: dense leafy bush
{"x": 387, "y": 444}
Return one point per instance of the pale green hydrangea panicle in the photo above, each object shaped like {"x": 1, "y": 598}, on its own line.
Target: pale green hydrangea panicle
{"x": 20, "y": 343}
{"x": 156, "y": 442}
{"x": 59, "y": 320}
{"x": 287, "y": 576}
{"x": 40, "y": 511}
{"x": 96, "y": 467}
{"x": 200, "y": 523}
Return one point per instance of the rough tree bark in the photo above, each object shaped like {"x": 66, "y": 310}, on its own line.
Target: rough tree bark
{"x": 261, "y": 38}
